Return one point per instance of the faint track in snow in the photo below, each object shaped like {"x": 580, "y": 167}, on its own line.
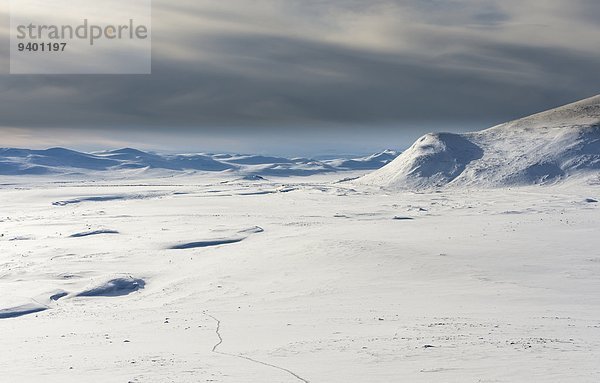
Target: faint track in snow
{"x": 220, "y": 342}
{"x": 218, "y": 332}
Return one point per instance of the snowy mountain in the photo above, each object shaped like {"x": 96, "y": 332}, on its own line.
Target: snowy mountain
{"x": 65, "y": 161}
{"x": 25, "y": 161}
{"x": 544, "y": 148}
{"x": 371, "y": 162}
{"x": 137, "y": 159}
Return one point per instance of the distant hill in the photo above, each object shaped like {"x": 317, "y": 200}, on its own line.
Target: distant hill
{"x": 64, "y": 161}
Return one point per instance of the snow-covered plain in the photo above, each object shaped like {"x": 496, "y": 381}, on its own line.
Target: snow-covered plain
{"x": 469, "y": 258}
{"x": 207, "y": 278}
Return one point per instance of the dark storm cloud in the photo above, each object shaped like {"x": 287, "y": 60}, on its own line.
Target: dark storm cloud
{"x": 303, "y": 63}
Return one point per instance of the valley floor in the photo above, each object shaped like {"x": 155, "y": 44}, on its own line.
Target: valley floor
{"x": 198, "y": 279}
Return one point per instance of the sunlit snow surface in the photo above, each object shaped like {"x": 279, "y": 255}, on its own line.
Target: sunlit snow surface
{"x": 213, "y": 278}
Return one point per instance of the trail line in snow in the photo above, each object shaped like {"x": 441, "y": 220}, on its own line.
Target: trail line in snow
{"x": 220, "y": 342}
{"x": 218, "y": 332}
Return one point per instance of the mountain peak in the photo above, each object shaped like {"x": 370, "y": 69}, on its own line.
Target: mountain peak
{"x": 127, "y": 151}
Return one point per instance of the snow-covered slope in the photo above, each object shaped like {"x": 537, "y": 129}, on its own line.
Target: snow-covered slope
{"x": 543, "y": 148}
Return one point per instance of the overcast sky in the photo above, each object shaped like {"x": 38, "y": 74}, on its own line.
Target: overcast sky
{"x": 309, "y": 76}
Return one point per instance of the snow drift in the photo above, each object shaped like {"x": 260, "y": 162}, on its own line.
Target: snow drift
{"x": 544, "y": 148}
{"x": 115, "y": 287}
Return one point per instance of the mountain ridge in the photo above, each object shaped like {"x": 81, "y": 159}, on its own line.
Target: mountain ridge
{"x": 56, "y": 161}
